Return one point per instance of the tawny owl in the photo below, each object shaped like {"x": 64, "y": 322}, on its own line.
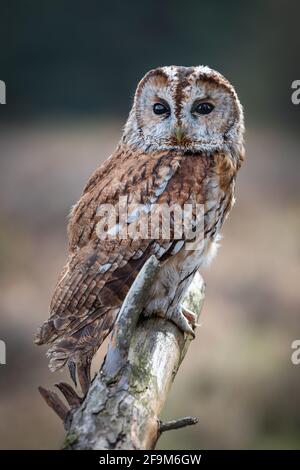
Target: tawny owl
{"x": 182, "y": 143}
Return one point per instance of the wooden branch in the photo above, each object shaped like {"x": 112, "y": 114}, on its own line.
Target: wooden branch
{"x": 177, "y": 423}
{"x": 125, "y": 399}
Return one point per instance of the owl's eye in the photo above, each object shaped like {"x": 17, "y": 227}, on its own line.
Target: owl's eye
{"x": 160, "y": 108}
{"x": 203, "y": 108}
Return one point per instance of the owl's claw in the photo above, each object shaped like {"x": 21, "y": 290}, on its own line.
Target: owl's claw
{"x": 181, "y": 318}
{"x": 190, "y": 316}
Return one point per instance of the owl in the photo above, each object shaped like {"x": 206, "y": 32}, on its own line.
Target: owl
{"x": 182, "y": 145}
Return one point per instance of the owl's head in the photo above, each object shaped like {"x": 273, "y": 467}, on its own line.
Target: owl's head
{"x": 191, "y": 109}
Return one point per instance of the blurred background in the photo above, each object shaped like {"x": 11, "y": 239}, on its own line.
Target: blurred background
{"x": 71, "y": 69}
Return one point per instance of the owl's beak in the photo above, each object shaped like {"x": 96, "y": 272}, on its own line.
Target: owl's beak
{"x": 179, "y": 134}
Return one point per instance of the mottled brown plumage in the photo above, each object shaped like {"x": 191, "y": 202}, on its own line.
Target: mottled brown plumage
{"x": 175, "y": 159}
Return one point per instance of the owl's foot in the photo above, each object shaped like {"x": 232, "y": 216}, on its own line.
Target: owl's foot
{"x": 184, "y": 319}
{"x": 190, "y": 316}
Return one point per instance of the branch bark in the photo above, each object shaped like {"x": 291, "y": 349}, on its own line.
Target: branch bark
{"x": 125, "y": 399}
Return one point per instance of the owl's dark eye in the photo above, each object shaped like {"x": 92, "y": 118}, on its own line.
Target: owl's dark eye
{"x": 203, "y": 108}
{"x": 160, "y": 108}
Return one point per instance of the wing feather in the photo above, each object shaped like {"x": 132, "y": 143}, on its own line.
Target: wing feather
{"x": 84, "y": 286}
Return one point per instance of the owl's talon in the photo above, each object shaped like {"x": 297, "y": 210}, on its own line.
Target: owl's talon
{"x": 189, "y": 315}
{"x": 177, "y": 316}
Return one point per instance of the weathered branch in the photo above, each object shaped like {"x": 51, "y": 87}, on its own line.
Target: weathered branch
{"x": 125, "y": 327}
{"x": 125, "y": 399}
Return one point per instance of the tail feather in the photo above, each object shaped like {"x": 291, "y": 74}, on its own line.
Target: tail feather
{"x": 81, "y": 345}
